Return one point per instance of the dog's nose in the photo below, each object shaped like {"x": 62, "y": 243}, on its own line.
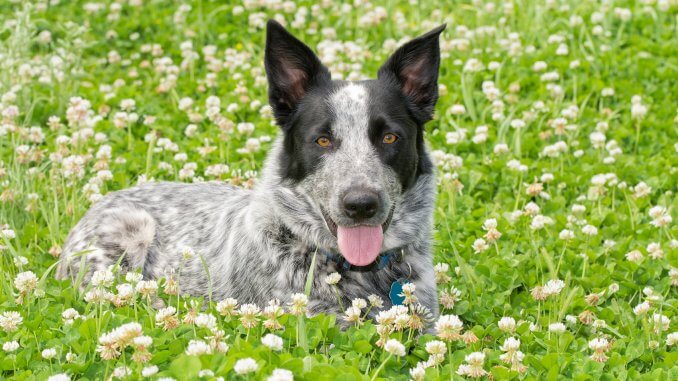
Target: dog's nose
{"x": 360, "y": 205}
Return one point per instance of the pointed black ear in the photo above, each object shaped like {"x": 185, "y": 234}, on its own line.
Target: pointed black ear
{"x": 292, "y": 69}
{"x": 414, "y": 69}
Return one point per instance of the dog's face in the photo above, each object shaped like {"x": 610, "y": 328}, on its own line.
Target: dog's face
{"x": 353, "y": 147}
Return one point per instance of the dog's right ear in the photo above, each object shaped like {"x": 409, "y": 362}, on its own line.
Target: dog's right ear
{"x": 292, "y": 69}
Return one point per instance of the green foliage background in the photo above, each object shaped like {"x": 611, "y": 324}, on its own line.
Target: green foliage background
{"x": 637, "y": 56}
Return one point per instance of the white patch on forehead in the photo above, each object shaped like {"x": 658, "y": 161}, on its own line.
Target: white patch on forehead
{"x": 349, "y": 104}
{"x": 355, "y": 161}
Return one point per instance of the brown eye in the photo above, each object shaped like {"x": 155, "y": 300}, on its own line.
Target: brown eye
{"x": 323, "y": 142}
{"x": 390, "y": 139}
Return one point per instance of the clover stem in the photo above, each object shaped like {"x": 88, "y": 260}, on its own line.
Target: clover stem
{"x": 381, "y": 366}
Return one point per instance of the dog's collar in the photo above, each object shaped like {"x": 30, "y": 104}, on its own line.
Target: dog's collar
{"x": 383, "y": 260}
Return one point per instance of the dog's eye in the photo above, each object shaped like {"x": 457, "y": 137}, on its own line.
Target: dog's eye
{"x": 324, "y": 142}
{"x": 390, "y": 138}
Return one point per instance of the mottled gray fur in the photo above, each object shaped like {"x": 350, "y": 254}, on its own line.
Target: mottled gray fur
{"x": 258, "y": 243}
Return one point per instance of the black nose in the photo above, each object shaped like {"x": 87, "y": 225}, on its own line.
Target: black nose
{"x": 360, "y": 204}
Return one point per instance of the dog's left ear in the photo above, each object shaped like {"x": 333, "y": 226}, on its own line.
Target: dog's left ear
{"x": 414, "y": 69}
{"x": 291, "y": 68}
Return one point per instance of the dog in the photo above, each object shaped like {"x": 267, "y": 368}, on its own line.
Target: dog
{"x": 348, "y": 182}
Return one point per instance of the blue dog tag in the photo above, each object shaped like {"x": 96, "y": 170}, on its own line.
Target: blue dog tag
{"x": 396, "y": 294}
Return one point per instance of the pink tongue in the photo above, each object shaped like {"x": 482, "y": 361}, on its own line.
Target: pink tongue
{"x": 360, "y": 245}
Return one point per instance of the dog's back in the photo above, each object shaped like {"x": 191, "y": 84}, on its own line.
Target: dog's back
{"x": 153, "y": 228}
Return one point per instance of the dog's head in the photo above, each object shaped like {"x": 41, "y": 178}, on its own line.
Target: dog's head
{"x": 352, "y": 148}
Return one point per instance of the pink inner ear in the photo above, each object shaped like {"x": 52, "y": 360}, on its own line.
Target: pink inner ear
{"x": 412, "y": 79}
{"x": 296, "y": 79}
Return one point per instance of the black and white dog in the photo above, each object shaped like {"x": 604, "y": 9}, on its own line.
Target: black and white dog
{"x": 348, "y": 179}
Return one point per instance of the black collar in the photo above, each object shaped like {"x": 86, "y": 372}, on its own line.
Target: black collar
{"x": 383, "y": 260}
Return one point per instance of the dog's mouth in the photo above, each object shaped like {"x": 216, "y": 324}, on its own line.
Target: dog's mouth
{"x": 360, "y": 244}
{"x": 332, "y": 226}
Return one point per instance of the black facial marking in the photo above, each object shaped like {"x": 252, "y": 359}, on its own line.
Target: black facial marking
{"x": 312, "y": 119}
{"x": 388, "y": 113}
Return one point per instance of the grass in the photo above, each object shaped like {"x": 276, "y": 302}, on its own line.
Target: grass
{"x": 575, "y": 167}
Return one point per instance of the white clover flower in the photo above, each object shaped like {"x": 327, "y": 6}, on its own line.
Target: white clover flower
{"x": 227, "y": 307}
{"x": 507, "y": 324}
{"x": 599, "y": 324}
{"x": 272, "y": 342}
{"x": 518, "y": 123}
{"x": 185, "y": 103}
{"x": 49, "y": 353}
{"x": 540, "y": 221}
{"x": 566, "y": 235}
{"x": 641, "y": 190}
{"x": 102, "y": 278}
{"x": 97, "y": 296}
{"x": 198, "y": 348}
{"x": 510, "y": 344}
{"x": 654, "y": 250}
{"x": 641, "y": 308}
{"x": 59, "y": 377}
{"x": 599, "y": 347}
{"x": 10, "y": 346}
{"x": 360, "y": 303}
{"x": 204, "y": 373}
{"x": 333, "y": 278}
{"x": 660, "y": 217}
{"x": 474, "y": 366}
{"x": 539, "y": 66}
{"x": 395, "y": 347}
{"x": 589, "y": 230}
{"x": 298, "y": 304}
{"x": 448, "y": 327}
{"x": 490, "y": 223}
{"x": 673, "y": 274}
{"x": 25, "y": 282}
{"x": 557, "y": 327}
{"x": 500, "y": 148}
{"x": 208, "y": 321}
{"x": 531, "y": 208}
{"x": 480, "y": 245}
{"x": 70, "y": 315}
{"x": 672, "y": 339}
{"x": 375, "y": 301}
{"x": 246, "y": 365}
{"x": 436, "y": 347}
{"x": 142, "y": 341}
{"x": 10, "y": 321}
{"x": 248, "y": 315}
{"x": 638, "y": 110}
{"x": 634, "y": 256}
{"x": 660, "y": 322}
{"x": 147, "y": 287}
{"x": 554, "y": 287}
{"x": 121, "y": 372}
{"x": 127, "y": 105}
{"x": 418, "y": 373}
{"x": 281, "y": 375}
{"x": 457, "y": 109}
